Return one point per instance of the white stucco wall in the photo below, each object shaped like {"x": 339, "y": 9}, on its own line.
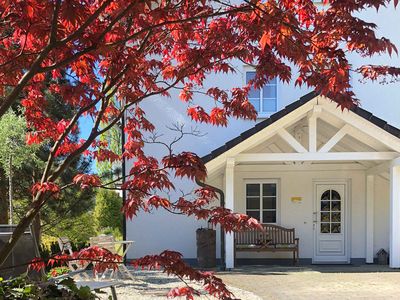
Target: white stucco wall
{"x": 160, "y": 230}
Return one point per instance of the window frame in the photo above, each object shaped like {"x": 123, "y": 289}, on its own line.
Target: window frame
{"x": 260, "y": 182}
{"x": 261, "y": 113}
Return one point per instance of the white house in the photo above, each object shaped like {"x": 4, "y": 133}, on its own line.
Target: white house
{"x": 333, "y": 176}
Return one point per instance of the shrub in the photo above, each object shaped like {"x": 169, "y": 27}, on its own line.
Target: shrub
{"x": 57, "y": 271}
{"x": 78, "y": 229}
{"x": 107, "y": 211}
{"x": 23, "y": 288}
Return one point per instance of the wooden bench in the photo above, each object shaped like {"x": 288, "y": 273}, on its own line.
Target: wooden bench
{"x": 274, "y": 238}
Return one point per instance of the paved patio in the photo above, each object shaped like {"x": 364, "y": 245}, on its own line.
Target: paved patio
{"x": 317, "y": 282}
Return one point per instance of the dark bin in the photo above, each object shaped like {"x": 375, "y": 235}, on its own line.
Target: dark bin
{"x": 383, "y": 257}
{"x": 206, "y": 248}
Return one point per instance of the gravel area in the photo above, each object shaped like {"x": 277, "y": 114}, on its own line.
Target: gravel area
{"x": 155, "y": 285}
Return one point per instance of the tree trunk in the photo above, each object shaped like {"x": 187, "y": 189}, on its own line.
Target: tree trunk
{"x": 36, "y": 228}
{"x": 3, "y": 198}
{"x": 36, "y": 224}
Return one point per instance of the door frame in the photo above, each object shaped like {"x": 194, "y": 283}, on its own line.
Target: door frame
{"x": 347, "y": 218}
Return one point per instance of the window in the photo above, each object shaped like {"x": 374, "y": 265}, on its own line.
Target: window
{"x": 331, "y": 212}
{"x": 261, "y": 201}
{"x": 264, "y": 100}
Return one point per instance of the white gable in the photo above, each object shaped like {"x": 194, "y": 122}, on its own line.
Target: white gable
{"x": 316, "y": 132}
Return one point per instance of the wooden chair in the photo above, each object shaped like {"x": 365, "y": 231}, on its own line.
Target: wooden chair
{"x": 104, "y": 241}
{"x": 74, "y": 265}
{"x": 108, "y": 242}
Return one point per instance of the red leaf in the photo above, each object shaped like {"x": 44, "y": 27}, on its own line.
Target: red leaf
{"x": 46, "y": 187}
{"x": 265, "y": 40}
{"x": 37, "y": 264}
{"x": 86, "y": 180}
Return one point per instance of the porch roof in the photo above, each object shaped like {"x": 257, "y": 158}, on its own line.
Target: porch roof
{"x": 285, "y": 111}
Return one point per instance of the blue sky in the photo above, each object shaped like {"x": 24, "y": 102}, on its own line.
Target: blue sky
{"x": 85, "y": 125}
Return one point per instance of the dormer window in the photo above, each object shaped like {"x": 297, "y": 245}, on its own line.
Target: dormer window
{"x": 265, "y": 99}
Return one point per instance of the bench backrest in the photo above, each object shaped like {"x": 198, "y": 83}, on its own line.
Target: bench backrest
{"x": 273, "y": 234}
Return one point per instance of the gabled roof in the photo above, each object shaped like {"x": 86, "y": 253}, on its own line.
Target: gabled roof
{"x": 288, "y": 109}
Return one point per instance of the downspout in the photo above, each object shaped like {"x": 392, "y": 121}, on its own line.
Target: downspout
{"x": 222, "y": 233}
{"x": 123, "y": 171}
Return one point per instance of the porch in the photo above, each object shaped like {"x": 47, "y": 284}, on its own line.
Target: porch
{"x": 333, "y": 176}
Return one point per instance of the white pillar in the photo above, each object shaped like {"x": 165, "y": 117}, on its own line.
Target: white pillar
{"x": 369, "y": 249}
{"x": 312, "y": 133}
{"x": 394, "y": 252}
{"x": 229, "y": 203}
{"x": 312, "y": 128}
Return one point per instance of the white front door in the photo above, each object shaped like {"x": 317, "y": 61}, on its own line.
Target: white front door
{"x": 330, "y": 224}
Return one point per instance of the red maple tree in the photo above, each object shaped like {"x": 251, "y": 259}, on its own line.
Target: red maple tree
{"x": 132, "y": 50}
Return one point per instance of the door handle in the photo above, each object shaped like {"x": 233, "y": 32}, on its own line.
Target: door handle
{"x": 315, "y": 220}
{"x": 315, "y": 217}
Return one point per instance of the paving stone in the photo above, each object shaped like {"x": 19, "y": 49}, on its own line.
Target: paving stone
{"x": 317, "y": 282}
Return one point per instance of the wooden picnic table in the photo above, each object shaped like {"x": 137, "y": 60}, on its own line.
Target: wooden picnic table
{"x": 91, "y": 284}
{"x": 98, "y": 285}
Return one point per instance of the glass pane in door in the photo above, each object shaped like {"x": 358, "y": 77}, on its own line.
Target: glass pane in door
{"x": 331, "y": 215}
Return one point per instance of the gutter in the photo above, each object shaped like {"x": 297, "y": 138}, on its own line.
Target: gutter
{"x": 222, "y": 233}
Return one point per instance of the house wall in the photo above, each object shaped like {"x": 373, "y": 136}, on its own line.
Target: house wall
{"x": 158, "y": 231}
{"x": 161, "y": 230}
{"x": 154, "y": 229}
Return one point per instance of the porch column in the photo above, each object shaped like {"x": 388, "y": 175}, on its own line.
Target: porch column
{"x": 395, "y": 214}
{"x": 369, "y": 249}
{"x": 229, "y": 203}
{"x": 312, "y": 128}
{"x": 312, "y": 133}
